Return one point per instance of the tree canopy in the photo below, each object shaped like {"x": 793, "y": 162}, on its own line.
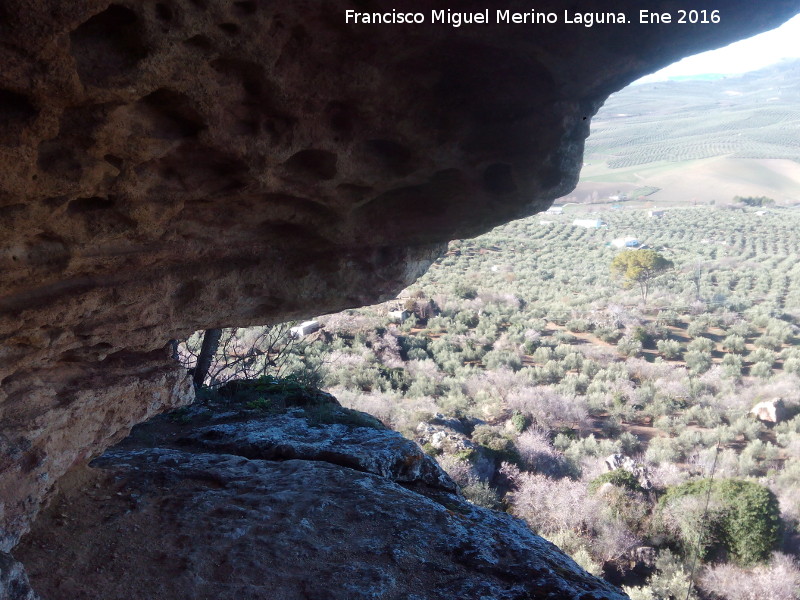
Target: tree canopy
{"x": 640, "y": 267}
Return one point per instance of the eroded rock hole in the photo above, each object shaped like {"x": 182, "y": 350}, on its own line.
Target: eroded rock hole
{"x": 229, "y": 28}
{"x": 199, "y": 41}
{"x": 164, "y": 12}
{"x": 245, "y": 8}
{"x": 108, "y": 44}
{"x": 58, "y": 159}
{"x": 249, "y": 74}
{"x": 341, "y": 117}
{"x": 392, "y": 156}
{"x": 316, "y": 164}
{"x": 47, "y": 252}
{"x": 169, "y": 115}
{"x": 16, "y": 111}
{"x": 82, "y": 205}
{"x": 114, "y": 161}
{"x": 98, "y": 216}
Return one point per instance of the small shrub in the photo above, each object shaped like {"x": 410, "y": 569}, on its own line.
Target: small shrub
{"x": 698, "y": 362}
{"x": 495, "y": 443}
{"x": 732, "y": 365}
{"x": 607, "y": 334}
{"x": 430, "y": 449}
{"x": 481, "y": 494}
{"x": 746, "y": 522}
{"x": 734, "y": 343}
{"x": 519, "y": 422}
{"x": 564, "y": 337}
{"x": 769, "y": 342}
{"x": 762, "y": 370}
{"x": 618, "y": 477}
{"x": 663, "y": 451}
{"x": 630, "y": 443}
{"x": 697, "y": 328}
{"x": 669, "y": 349}
{"x": 465, "y": 291}
{"x": 762, "y": 355}
{"x": 629, "y": 346}
{"x": 778, "y": 581}
{"x": 669, "y": 582}
{"x": 259, "y": 404}
{"x": 578, "y": 325}
{"x": 700, "y": 344}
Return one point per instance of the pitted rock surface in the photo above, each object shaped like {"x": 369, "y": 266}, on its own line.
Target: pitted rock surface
{"x": 165, "y": 524}
{"x": 14, "y": 584}
{"x": 174, "y": 165}
{"x": 381, "y": 452}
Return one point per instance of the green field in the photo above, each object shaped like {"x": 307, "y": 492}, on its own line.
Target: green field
{"x": 699, "y": 141}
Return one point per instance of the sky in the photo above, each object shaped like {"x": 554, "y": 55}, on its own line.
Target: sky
{"x": 740, "y": 57}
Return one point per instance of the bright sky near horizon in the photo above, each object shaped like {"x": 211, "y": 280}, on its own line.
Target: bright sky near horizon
{"x": 740, "y": 57}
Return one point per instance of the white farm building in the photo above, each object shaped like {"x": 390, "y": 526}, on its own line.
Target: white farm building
{"x": 589, "y": 223}
{"x": 628, "y": 242}
{"x": 305, "y": 328}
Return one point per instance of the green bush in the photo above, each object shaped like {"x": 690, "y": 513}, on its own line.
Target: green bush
{"x": 745, "y": 523}
{"x": 519, "y": 422}
{"x": 639, "y": 334}
{"x": 762, "y": 355}
{"x": 732, "y": 364}
{"x": 700, "y": 344}
{"x": 578, "y": 325}
{"x": 669, "y": 582}
{"x": 762, "y": 370}
{"x": 769, "y": 342}
{"x": 607, "y": 334}
{"x": 629, "y": 346}
{"x": 697, "y": 328}
{"x": 669, "y": 349}
{"x": 618, "y": 477}
{"x": 482, "y": 494}
{"x": 734, "y": 343}
{"x": 495, "y": 443}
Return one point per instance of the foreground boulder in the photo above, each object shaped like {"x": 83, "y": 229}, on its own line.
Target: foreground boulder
{"x": 174, "y": 165}
{"x": 300, "y": 503}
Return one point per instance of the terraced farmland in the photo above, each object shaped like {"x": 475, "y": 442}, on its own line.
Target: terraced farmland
{"x": 646, "y": 134}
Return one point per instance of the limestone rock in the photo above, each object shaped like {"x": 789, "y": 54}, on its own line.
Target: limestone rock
{"x": 770, "y": 411}
{"x": 447, "y": 437}
{"x": 382, "y": 452}
{"x": 637, "y": 469}
{"x": 180, "y": 522}
{"x": 14, "y": 583}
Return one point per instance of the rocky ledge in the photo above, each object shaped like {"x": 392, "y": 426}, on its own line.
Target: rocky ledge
{"x": 282, "y": 494}
{"x": 174, "y": 165}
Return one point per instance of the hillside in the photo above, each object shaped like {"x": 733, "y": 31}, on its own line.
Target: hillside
{"x": 524, "y": 366}
{"x": 699, "y": 141}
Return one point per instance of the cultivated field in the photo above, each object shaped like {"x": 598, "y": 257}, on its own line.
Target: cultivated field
{"x": 689, "y": 139}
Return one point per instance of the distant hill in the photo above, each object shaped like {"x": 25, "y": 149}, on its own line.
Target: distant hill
{"x": 696, "y": 134}
{"x": 703, "y": 76}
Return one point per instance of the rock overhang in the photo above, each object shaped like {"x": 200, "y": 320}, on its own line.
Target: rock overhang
{"x": 183, "y": 164}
